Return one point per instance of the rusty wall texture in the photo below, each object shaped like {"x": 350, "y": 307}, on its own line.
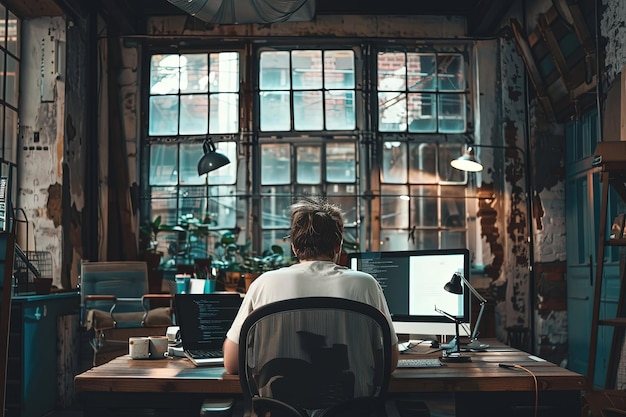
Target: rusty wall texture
{"x": 613, "y": 30}
{"x": 75, "y": 137}
{"x": 514, "y": 303}
{"x": 40, "y": 141}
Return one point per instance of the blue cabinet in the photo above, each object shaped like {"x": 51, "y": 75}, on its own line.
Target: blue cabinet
{"x": 42, "y": 331}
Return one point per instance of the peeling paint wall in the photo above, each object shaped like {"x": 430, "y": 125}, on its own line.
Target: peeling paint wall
{"x": 613, "y": 29}
{"x": 40, "y": 173}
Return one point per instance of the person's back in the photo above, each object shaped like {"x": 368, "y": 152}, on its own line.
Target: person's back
{"x": 316, "y": 240}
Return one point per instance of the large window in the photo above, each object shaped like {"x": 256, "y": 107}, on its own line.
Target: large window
{"x": 315, "y": 130}
{"x": 192, "y": 97}
{"x": 9, "y": 82}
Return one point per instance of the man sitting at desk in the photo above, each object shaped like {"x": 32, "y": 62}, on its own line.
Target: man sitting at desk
{"x": 316, "y": 239}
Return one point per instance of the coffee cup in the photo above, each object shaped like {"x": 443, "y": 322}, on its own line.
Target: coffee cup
{"x": 139, "y": 347}
{"x": 158, "y": 347}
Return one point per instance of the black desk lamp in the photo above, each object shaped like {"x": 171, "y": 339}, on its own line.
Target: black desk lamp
{"x": 455, "y": 286}
{"x": 211, "y": 160}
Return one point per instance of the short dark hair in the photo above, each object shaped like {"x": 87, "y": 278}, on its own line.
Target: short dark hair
{"x": 316, "y": 228}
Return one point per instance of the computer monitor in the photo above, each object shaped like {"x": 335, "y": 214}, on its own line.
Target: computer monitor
{"x": 413, "y": 282}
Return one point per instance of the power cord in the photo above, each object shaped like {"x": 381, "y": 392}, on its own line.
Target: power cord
{"x": 516, "y": 366}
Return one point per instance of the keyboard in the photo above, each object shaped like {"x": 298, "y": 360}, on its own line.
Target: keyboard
{"x": 203, "y": 354}
{"x": 419, "y": 363}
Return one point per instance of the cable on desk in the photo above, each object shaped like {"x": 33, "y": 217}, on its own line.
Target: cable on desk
{"x": 516, "y": 366}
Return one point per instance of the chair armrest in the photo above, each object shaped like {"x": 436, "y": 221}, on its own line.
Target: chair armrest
{"x": 148, "y": 298}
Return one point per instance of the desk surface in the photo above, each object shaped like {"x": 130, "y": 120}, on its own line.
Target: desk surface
{"x": 483, "y": 374}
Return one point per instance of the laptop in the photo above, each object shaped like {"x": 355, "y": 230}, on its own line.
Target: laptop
{"x": 204, "y": 320}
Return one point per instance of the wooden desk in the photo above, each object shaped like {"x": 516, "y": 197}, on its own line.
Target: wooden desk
{"x": 478, "y": 388}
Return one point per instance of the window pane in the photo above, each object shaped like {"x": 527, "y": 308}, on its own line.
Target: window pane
{"x": 422, "y": 110}
{"x": 344, "y": 196}
{"x": 275, "y": 164}
{"x": 276, "y": 237}
{"x": 163, "y": 115}
{"x": 275, "y": 111}
{"x": 308, "y": 164}
{"x": 308, "y": 110}
{"x": 2, "y": 75}
{"x": 274, "y": 70}
{"x": 224, "y": 75}
{"x": 10, "y": 132}
{"x": 421, "y": 72}
{"x": 223, "y": 205}
{"x": 224, "y": 113}
{"x": 452, "y": 113}
{"x": 392, "y": 112}
{"x": 191, "y": 208}
{"x": 228, "y": 173}
{"x": 453, "y": 207}
{"x": 340, "y": 162}
{"x": 423, "y": 163}
{"x": 447, "y": 153}
{"x": 306, "y": 69}
{"x": 394, "y": 211}
{"x": 194, "y": 110}
{"x": 451, "y": 72}
{"x": 13, "y": 34}
{"x": 164, "y": 204}
{"x": 163, "y": 165}
{"x": 164, "y": 74}
{"x": 12, "y": 81}
{"x": 453, "y": 239}
{"x": 339, "y": 69}
{"x": 302, "y": 190}
{"x": 194, "y": 73}
{"x": 275, "y": 207}
{"x": 394, "y": 163}
{"x": 424, "y": 206}
{"x": 190, "y": 154}
{"x": 394, "y": 240}
{"x": 3, "y": 28}
{"x": 391, "y": 71}
{"x": 340, "y": 110}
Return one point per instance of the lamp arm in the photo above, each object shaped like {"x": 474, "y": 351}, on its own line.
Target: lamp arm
{"x": 473, "y": 290}
{"x": 474, "y": 335}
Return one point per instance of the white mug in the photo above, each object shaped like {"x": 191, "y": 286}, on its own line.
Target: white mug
{"x": 139, "y": 347}
{"x": 158, "y": 347}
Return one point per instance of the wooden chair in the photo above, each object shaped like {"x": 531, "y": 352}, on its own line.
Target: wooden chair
{"x": 115, "y": 305}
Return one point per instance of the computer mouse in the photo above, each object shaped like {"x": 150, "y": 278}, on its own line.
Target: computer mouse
{"x": 434, "y": 344}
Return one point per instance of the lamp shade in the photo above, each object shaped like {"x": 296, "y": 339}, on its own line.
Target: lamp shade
{"x": 455, "y": 285}
{"x": 211, "y": 160}
{"x": 467, "y": 162}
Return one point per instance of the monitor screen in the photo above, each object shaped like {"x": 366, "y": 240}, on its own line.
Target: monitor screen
{"x": 413, "y": 282}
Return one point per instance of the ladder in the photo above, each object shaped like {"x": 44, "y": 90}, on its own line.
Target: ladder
{"x": 612, "y": 175}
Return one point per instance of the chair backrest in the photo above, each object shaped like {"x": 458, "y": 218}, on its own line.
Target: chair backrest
{"x": 315, "y": 352}
{"x": 122, "y": 279}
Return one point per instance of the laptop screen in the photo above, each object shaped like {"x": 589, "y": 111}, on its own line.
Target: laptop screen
{"x": 204, "y": 319}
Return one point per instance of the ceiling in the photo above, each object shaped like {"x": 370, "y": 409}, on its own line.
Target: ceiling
{"x": 483, "y": 16}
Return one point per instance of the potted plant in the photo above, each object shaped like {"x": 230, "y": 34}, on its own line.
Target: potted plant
{"x": 148, "y": 236}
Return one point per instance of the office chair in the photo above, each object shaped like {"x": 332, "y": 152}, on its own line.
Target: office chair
{"x": 326, "y": 354}
{"x": 115, "y": 305}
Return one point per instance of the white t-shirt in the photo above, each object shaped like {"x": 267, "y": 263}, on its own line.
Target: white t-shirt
{"x": 311, "y": 279}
